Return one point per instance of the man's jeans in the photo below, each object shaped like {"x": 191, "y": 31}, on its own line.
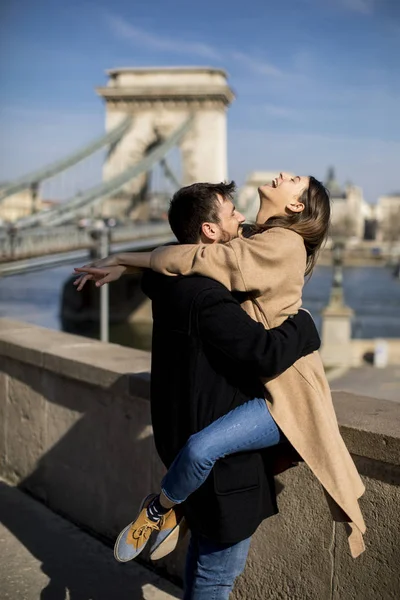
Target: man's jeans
{"x": 247, "y": 427}
{"x": 211, "y": 568}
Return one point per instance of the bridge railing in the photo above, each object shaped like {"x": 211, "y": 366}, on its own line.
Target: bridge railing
{"x": 18, "y": 244}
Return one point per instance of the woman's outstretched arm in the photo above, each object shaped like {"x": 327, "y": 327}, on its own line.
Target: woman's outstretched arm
{"x": 250, "y": 265}
{"x": 218, "y": 261}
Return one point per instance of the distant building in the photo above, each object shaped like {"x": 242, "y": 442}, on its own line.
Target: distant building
{"x": 387, "y": 214}
{"x": 19, "y": 205}
{"x": 349, "y": 209}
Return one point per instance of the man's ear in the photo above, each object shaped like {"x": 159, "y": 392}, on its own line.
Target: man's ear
{"x": 210, "y": 231}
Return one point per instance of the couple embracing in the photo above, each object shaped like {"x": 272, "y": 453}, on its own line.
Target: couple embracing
{"x": 238, "y": 389}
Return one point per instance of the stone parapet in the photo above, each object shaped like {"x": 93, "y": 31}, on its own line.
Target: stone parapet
{"x": 75, "y": 431}
{"x": 108, "y": 366}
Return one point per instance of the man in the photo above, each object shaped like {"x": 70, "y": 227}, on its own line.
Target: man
{"x": 207, "y": 358}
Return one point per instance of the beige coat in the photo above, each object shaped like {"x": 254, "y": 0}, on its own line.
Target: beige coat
{"x": 270, "y": 266}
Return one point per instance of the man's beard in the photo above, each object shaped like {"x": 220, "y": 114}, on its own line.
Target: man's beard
{"x": 225, "y": 237}
{"x": 228, "y": 237}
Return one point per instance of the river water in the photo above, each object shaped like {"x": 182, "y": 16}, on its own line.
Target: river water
{"x": 372, "y": 292}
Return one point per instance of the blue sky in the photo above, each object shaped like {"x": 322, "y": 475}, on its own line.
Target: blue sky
{"x": 317, "y": 81}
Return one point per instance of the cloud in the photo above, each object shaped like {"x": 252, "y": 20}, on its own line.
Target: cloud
{"x": 126, "y": 31}
{"x": 256, "y": 66}
{"x": 363, "y": 7}
{"x": 281, "y": 112}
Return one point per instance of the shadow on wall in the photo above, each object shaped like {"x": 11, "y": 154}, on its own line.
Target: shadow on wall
{"x": 78, "y": 567}
{"x": 90, "y": 455}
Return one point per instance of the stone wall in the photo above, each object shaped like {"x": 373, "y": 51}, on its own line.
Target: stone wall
{"x": 75, "y": 432}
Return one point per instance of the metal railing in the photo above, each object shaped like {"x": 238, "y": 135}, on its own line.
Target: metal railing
{"x": 20, "y": 244}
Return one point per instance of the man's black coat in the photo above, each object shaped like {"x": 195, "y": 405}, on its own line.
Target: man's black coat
{"x": 207, "y": 358}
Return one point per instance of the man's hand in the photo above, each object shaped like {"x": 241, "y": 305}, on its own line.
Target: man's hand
{"x": 312, "y": 341}
{"x": 100, "y": 276}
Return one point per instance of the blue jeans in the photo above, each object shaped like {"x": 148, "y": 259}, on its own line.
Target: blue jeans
{"x": 247, "y": 427}
{"x": 211, "y": 568}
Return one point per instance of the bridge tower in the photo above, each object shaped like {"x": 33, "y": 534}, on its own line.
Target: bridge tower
{"x": 160, "y": 100}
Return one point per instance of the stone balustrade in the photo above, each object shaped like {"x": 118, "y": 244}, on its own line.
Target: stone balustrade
{"x": 76, "y": 434}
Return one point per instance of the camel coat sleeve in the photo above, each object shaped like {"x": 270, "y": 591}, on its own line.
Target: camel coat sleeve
{"x": 245, "y": 264}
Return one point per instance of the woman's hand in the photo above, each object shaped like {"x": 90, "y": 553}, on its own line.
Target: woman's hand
{"x": 100, "y": 276}
{"x": 108, "y": 261}
{"x": 112, "y": 267}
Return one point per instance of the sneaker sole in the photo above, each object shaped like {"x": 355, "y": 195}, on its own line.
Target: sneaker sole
{"x": 169, "y": 544}
{"x": 125, "y": 529}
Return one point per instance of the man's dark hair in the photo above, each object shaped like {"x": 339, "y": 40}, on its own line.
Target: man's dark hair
{"x": 195, "y": 204}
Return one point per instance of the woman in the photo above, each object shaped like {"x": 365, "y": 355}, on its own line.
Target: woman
{"x": 292, "y": 224}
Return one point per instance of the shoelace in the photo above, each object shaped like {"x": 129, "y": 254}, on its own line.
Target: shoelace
{"x": 149, "y": 526}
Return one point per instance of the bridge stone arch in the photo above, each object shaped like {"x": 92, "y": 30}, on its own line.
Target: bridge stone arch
{"x": 160, "y": 100}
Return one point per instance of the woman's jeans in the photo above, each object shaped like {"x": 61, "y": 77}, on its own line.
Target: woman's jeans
{"x": 211, "y": 568}
{"x": 247, "y": 427}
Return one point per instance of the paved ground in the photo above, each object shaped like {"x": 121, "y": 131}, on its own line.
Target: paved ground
{"x": 370, "y": 381}
{"x": 44, "y": 557}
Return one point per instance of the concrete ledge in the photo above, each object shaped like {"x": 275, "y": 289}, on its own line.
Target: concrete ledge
{"x": 370, "y": 426}
{"x": 75, "y": 357}
{"x": 126, "y": 370}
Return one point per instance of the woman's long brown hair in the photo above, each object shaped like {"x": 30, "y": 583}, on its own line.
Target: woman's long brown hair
{"x": 312, "y": 223}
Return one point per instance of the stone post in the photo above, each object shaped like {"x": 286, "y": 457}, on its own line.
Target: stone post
{"x": 34, "y": 197}
{"x": 336, "y": 348}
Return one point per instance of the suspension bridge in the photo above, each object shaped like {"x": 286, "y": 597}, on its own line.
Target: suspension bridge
{"x": 164, "y": 128}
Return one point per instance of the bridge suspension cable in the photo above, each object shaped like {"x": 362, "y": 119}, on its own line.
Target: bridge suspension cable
{"x": 33, "y": 179}
{"x": 63, "y": 213}
{"x": 169, "y": 173}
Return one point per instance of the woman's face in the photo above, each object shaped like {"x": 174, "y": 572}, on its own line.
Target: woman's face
{"x": 282, "y": 197}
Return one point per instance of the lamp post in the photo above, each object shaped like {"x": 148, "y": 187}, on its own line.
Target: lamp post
{"x": 101, "y": 250}
{"x": 34, "y": 197}
{"x": 104, "y": 290}
{"x": 337, "y": 297}
{"x": 336, "y": 348}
